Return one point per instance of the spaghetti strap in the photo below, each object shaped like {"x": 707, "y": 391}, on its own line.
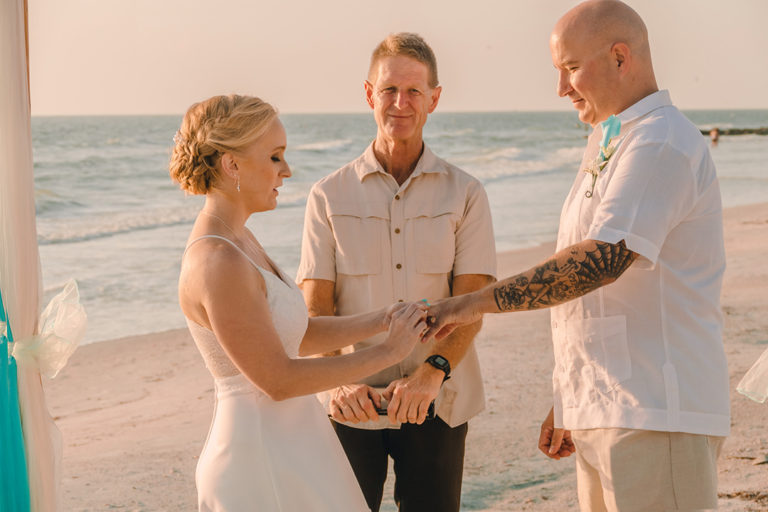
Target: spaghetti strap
{"x": 233, "y": 244}
{"x": 230, "y": 242}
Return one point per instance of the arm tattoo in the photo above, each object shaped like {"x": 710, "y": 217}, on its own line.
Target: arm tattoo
{"x": 565, "y": 277}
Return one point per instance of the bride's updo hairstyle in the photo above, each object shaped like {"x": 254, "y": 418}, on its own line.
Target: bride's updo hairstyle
{"x": 217, "y": 125}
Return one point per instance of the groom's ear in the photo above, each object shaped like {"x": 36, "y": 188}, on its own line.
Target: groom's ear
{"x": 621, "y": 55}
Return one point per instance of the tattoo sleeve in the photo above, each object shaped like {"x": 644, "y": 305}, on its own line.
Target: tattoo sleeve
{"x": 571, "y": 273}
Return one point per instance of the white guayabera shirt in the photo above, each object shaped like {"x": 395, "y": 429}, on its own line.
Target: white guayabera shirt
{"x": 646, "y": 351}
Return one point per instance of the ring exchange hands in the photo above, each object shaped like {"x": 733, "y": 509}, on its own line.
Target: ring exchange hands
{"x": 447, "y": 314}
{"x": 407, "y": 326}
{"x": 355, "y": 403}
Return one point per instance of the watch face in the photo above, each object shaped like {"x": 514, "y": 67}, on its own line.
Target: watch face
{"x": 440, "y": 362}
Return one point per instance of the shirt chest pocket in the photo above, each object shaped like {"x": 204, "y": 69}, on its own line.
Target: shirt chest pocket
{"x": 434, "y": 237}
{"x": 358, "y": 230}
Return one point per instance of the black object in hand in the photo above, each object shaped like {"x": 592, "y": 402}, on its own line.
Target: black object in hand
{"x": 382, "y": 411}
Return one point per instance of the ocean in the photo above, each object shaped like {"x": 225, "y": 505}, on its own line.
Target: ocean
{"x": 109, "y": 216}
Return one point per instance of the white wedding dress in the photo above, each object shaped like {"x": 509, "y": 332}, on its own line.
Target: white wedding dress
{"x": 262, "y": 455}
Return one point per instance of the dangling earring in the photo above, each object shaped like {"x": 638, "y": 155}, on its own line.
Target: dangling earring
{"x": 238, "y": 183}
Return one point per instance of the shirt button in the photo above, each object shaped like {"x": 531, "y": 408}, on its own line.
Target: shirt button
{"x": 398, "y": 266}
{"x": 397, "y": 230}
{"x": 397, "y": 197}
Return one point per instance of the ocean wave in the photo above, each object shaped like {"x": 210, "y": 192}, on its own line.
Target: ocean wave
{"x": 454, "y": 133}
{"x": 100, "y": 156}
{"x": 323, "y": 145}
{"x": 81, "y": 229}
{"x": 509, "y": 153}
{"x": 47, "y": 201}
{"x": 503, "y": 163}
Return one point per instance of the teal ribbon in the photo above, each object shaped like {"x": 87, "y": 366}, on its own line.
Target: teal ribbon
{"x": 611, "y": 128}
{"x": 14, "y": 483}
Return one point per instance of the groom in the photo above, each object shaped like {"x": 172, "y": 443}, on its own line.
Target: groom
{"x": 399, "y": 223}
{"x": 640, "y": 377}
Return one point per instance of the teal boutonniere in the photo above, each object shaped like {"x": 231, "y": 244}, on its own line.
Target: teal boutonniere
{"x": 611, "y": 128}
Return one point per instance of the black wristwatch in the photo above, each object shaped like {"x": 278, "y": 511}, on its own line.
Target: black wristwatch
{"x": 440, "y": 363}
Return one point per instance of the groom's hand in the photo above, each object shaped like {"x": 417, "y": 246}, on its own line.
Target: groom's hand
{"x": 354, "y": 403}
{"x": 447, "y": 314}
{"x": 555, "y": 442}
{"x": 409, "y": 398}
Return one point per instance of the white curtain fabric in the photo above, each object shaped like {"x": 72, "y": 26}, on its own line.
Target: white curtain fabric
{"x": 19, "y": 259}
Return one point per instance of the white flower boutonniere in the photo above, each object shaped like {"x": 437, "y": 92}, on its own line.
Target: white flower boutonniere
{"x": 611, "y": 128}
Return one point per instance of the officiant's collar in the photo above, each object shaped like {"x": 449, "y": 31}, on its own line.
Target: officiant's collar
{"x": 427, "y": 163}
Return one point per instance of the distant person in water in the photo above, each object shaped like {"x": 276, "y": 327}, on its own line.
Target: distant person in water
{"x": 714, "y": 135}
{"x": 640, "y": 377}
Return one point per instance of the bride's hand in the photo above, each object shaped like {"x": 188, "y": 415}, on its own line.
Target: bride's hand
{"x": 386, "y": 318}
{"x": 408, "y": 324}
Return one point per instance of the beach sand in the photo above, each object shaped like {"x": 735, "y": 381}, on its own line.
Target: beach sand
{"x": 134, "y": 412}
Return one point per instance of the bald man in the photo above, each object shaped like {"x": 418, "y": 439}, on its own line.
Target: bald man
{"x": 640, "y": 379}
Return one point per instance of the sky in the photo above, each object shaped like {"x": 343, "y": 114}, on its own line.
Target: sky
{"x": 136, "y": 57}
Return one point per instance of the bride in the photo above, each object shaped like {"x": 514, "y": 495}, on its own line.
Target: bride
{"x": 270, "y": 446}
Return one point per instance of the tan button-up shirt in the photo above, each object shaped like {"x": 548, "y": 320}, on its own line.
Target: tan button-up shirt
{"x": 382, "y": 242}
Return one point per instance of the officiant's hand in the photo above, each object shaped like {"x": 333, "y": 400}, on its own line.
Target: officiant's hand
{"x": 354, "y": 403}
{"x": 409, "y": 398}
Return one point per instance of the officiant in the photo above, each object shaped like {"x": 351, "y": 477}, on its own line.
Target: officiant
{"x": 397, "y": 224}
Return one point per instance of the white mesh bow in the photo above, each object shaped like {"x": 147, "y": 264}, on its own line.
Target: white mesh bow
{"x": 754, "y": 384}
{"x": 62, "y": 327}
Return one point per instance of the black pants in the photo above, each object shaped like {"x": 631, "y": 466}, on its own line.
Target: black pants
{"x": 429, "y": 462}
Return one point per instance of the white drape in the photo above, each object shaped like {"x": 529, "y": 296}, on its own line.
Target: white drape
{"x": 19, "y": 258}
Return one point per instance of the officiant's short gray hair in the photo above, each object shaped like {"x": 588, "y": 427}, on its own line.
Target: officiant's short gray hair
{"x": 210, "y": 128}
{"x": 406, "y": 44}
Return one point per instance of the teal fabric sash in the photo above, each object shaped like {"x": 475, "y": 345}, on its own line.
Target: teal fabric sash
{"x": 14, "y": 484}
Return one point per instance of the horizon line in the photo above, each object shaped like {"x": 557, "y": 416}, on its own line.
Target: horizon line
{"x": 359, "y": 112}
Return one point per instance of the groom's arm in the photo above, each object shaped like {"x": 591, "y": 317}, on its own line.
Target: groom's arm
{"x": 568, "y": 274}
{"x": 573, "y": 272}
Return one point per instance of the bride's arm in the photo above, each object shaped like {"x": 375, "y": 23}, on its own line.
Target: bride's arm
{"x": 228, "y": 294}
{"x": 326, "y": 333}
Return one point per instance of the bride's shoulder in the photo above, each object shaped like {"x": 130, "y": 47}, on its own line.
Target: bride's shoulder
{"x": 217, "y": 263}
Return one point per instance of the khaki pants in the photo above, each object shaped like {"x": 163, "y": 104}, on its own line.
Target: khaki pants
{"x": 628, "y": 470}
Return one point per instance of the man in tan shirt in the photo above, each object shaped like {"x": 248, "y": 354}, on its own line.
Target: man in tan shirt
{"x": 399, "y": 224}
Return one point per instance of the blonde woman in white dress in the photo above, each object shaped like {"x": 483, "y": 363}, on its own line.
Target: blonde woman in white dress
{"x": 270, "y": 445}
